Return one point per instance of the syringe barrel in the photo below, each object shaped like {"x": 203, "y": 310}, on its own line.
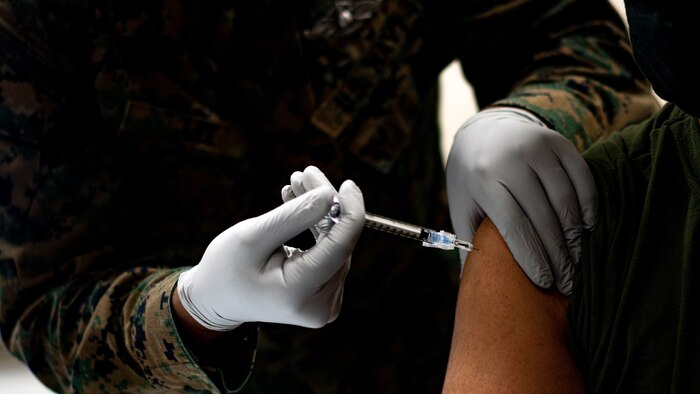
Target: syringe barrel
{"x": 392, "y": 226}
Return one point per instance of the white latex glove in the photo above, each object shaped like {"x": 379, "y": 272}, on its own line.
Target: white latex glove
{"x": 246, "y": 274}
{"x": 533, "y": 184}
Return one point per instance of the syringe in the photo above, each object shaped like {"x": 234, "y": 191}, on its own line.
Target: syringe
{"x": 430, "y": 238}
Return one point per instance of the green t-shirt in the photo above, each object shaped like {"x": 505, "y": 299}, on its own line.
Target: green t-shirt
{"x": 634, "y": 318}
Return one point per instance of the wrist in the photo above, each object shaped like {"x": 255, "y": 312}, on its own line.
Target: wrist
{"x": 229, "y": 368}
{"x": 190, "y": 295}
{"x": 194, "y": 334}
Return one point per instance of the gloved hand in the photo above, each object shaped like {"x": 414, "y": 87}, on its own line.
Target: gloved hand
{"x": 246, "y": 274}
{"x": 532, "y": 183}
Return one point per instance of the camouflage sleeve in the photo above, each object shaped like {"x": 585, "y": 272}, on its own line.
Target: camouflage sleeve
{"x": 116, "y": 333}
{"x": 78, "y": 301}
{"x": 570, "y": 62}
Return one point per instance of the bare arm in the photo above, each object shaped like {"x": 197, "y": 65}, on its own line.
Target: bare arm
{"x": 509, "y": 335}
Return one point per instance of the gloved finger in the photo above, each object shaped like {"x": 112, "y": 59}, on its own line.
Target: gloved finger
{"x": 465, "y": 215}
{"x": 275, "y": 227}
{"x": 461, "y": 205}
{"x": 474, "y": 218}
{"x": 520, "y": 235}
{"x": 307, "y": 308}
{"x": 582, "y": 180}
{"x": 288, "y": 195}
{"x": 321, "y": 304}
{"x": 536, "y": 206}
{"x": 564, "y": 201}
{"x": 566, "y": 280}
{"x": 559, "y": 245}
{"x": 312, "y": 178}
{"x": 324, "y": 259}
{"x": 319, "y": 309}
{"x": 296, "y": 181}
{"x": 300, "y": 183}
{"x": 465, "y": 212}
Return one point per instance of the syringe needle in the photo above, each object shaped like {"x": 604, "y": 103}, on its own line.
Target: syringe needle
{"x": 468, "y": 246}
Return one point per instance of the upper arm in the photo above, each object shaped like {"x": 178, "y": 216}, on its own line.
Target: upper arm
{"x": 509, "y": 335}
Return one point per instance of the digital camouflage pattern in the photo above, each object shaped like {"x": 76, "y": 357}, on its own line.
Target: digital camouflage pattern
{"x": 133, "y": 132}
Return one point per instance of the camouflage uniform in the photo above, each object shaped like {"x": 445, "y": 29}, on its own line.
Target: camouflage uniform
{"x": 133, "y": 132}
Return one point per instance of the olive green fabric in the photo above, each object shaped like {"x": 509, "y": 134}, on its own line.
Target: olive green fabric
{"x": 634, "y": 317}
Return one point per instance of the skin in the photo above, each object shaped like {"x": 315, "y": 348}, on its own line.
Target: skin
{"x": 509, "y": 335}
{"x": 195, "y": 336}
